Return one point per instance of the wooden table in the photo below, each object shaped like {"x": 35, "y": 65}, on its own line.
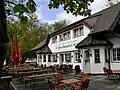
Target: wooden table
{"x": 70, "y": 83}
{"x": 116, "y": 71}
{"x": 43, "y": 75}
{"x": 37, "y": 77}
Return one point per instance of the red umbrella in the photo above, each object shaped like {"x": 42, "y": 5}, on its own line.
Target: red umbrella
{"x": 20, "y": 56}
{"x": 16, "y": 52}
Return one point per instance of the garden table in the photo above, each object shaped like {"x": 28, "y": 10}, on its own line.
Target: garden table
{"x": 116, "y": 71}
{"x": 37, "y": 77}
{"x": 70, "y": 84}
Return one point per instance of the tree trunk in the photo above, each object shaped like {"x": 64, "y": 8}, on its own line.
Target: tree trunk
{"x": 3, "y": 33}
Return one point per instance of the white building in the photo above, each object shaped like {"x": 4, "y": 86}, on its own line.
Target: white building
{"x": 103, "y": 43}
{"x": 97, "y": 39}
{"x": 59, "y": 47}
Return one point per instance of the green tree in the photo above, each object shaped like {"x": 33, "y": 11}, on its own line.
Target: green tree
{"x": 60, "y": 24}
{"x": 23, "y": 8}
{"x": 30, "y": 34}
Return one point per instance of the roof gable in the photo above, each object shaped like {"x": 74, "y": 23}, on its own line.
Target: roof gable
{"x": 107, "y": 19}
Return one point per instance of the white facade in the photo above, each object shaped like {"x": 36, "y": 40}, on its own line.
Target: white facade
{"x": 87, "y": 62}
{"x": 64, "y": 50}
{"x": 95, "y": 68}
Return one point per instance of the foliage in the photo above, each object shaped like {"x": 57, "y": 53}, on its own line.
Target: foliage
{"x": 22, "y": 9}
{"x": 60, "y": 24}
{"x": 76, "y": 7}
{"x": 30, "y": 34}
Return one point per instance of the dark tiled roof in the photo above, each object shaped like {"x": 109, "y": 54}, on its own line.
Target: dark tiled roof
{"x": 91, "y": 21}
{"x": 89, "y": 41}
{"x": 41, "y": 44}
{"x": 45, "y": 50}
{"x": 107, "y": 20}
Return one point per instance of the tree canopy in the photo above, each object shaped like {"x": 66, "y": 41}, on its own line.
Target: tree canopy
{"x": 30, "y": 34}
{"x": 23, "y": 9}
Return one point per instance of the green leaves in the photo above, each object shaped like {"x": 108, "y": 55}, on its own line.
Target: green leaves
{"x": 24, "y": 19}
{"x": 76, "y": 7}
{"x": 31, "y": 6}
{"x": 20, "y": 8}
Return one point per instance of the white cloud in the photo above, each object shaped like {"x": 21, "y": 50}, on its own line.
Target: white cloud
{"x": 70, "y": 17}
{"x": 96, "y": 6}
{"x": 39, "y": 13}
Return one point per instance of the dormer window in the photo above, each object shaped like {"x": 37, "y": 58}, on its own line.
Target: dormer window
{"x": 78, "y": 32}
{"x": 61, "y": 38}
{"x": 65, "y": 36}
{"x": 54, "y": 39}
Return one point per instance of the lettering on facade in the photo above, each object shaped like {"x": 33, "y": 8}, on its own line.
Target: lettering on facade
{"x": 65, "y": 46}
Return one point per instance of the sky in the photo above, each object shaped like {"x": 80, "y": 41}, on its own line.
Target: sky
{"x": 51, "y": 15}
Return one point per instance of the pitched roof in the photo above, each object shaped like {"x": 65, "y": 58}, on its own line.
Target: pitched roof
{"x": 42, "y": 43}
{"x": 89, "y": 41}
{"x": 107, "y": 19}
{"x": 45, "y": 50}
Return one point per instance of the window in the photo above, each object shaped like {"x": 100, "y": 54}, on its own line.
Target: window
{"x": 106, "y": 55}
{"x": 87, "y": 54}
{"x": 65, "y": 36}
{"x": 55, "y": 58}
{"x": 44, "y": 58}
{"x": 97, "y": 55}
{"x": 54, "y": 39}
{"x": 68, "y": 57}
{"x": 62, "y": 57}
{"x": 116, "y": 54}
{"x": 61, "y": 37}
{"x": 77, "y": 56}
{"x": 78, "y": 32}
{"x": 49, "y": 58}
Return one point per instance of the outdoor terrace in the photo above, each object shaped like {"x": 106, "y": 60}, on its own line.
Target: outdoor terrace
{"x": 97, "y": 82}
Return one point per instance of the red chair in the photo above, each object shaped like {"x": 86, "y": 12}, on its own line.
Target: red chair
{"x": 53, "y": 87}
{"x": 112, "y": 76}
{"x": 82, "y": 85}
{"x": 105, "y": 70}
{"x": 58, "y": 78}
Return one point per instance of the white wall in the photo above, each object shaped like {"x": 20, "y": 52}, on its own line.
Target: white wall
{"x": 116, "y": 44}
{"x": 59, "y": 47}
{"x": 67, "y": 45}
{"x": 97, "y": 67}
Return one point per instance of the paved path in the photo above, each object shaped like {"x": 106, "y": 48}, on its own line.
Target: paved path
{"x": 96, "y": 83}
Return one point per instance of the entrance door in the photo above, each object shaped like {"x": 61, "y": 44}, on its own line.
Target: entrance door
{"x": 61, "y": 59}
{"x": 86, "y": 62}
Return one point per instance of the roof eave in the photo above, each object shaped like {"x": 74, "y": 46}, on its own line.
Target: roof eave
{"x": 84, "y": 46}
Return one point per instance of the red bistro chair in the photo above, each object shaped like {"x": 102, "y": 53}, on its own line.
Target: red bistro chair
{"x": 58, "y": 78}
{"x": 55, "y": 87}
